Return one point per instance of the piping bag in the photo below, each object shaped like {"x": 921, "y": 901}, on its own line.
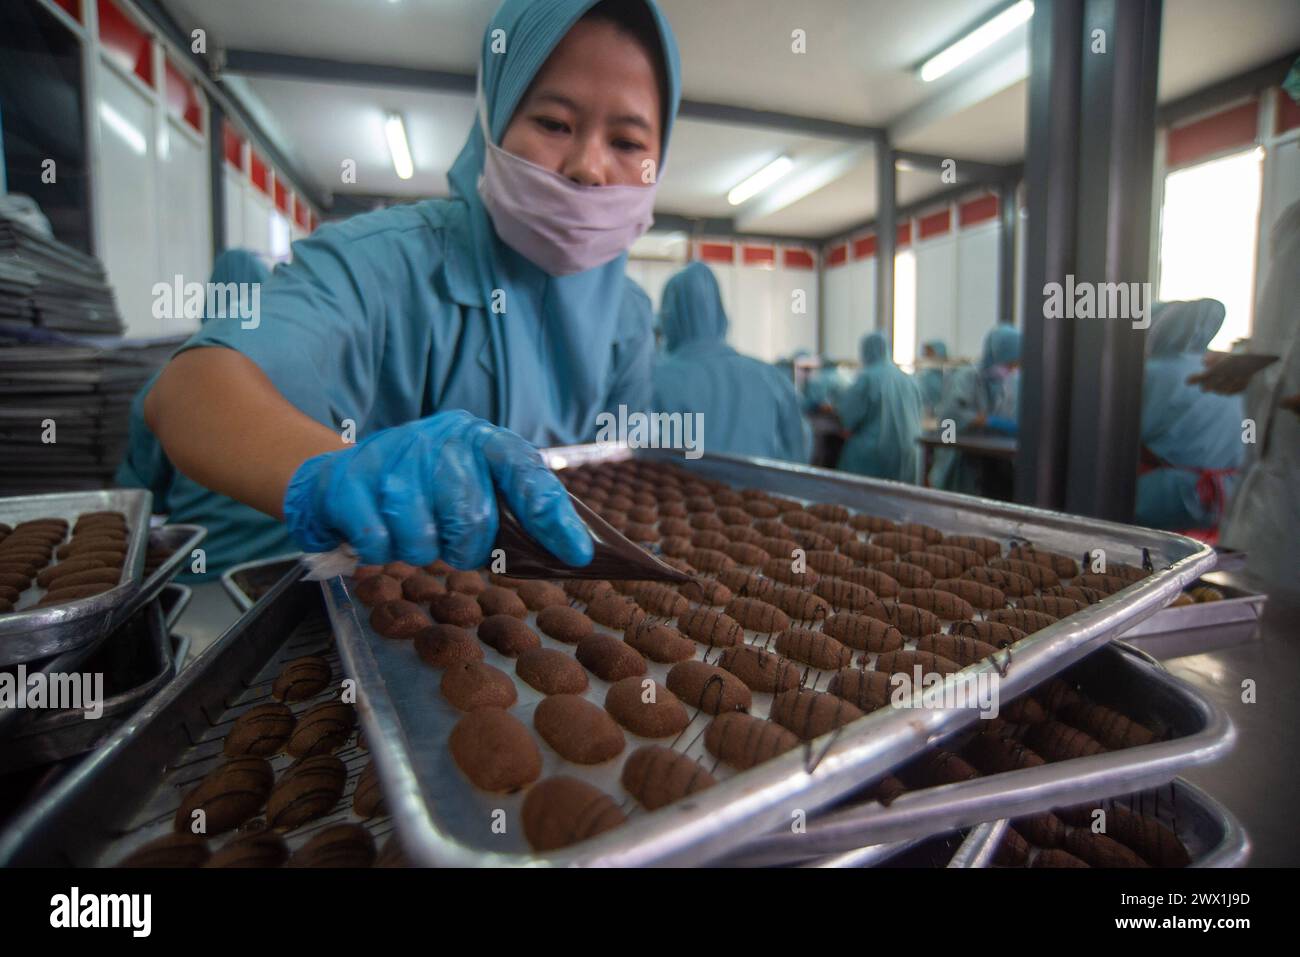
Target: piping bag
{"x": 616, "y": 557}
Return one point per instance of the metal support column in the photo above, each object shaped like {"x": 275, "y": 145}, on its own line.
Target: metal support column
{"x": 1051, "y": 169}
{"x": 217, "y": 174}
{"x": 886, "y": 238}
{"x": 1116, "y": 145}
{"x": 1008, "y": 225}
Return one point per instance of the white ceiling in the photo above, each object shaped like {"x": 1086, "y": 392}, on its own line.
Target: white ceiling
{"x": 859, "y": 68}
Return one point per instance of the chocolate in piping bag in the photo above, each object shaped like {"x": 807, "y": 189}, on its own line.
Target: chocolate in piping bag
{"x": 616, "y": 556}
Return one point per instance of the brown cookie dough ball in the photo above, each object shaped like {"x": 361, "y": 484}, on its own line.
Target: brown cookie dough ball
{"x": 538, "y": 595}
{"x": 368, "y": 798}
{"x": 551, "y": 671}
{"x": 322, "y": 729}
{"x": 377, "y": 590}
{"x": 646, "y": 707}
{"x": 615, "y": 611}
{"x": 709, "y": 688}
{"x": 261, "y": 731}
{"x": 400, "y": 570}
{"x": 810, "y": 714}
{"x": 421, "y": 588}
{"x": 399, "y": 619}
{"x": 760, "y": 670}
{"x": 743, "y": 741}
{"x": 73, "y": 593}
{"x": 561, "y": 811}
{"x": 253, "y": 849}
{"x": 339, "y": 845}
{"x": 470, "y": 685}
{"x": 455, "y": 608}
{"x": 308, "y": 790}
{"x": 657, "y": 776}
{"x": 564, "y": 624}
{"x": 608, "y": 658}
{"x": 445, "y": 645}
{"x": 170, "y": 850}
{"x": 495, "y": 600}
{"x": 301, "y": 678}
{"x": 467, "y": 583}
{"x": 578, "y": 730}
{"x": 495, "y": 750}
{"x": 508, "y": 635}
{"x": 227, "y": 796}
{"x": 660, "y": 643}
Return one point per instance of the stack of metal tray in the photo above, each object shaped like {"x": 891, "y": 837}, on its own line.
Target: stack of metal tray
{"x": 247, "y": 582}
{"x": 127, "y": 792}
{"x": 441, "y": 817}
{"x": 1191, "y": 629}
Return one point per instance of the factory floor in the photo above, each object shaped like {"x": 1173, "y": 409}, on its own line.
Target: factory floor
{"x": 1256, "y": 781}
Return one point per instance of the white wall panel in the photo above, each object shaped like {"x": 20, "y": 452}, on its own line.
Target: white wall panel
{"x": 185, "y": 228}
{"x": 792, "y": 331}
{"x": 235, "y": 185}
{"x": 976, "y": 306}
{"x": 753, "y": 318}
{"x": 936, "y": 289}
{"x": 257, "y": 221}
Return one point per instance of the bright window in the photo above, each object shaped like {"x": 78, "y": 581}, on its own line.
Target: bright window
{"x": 1208, "y": 231}
{"x": 905, "y": 309}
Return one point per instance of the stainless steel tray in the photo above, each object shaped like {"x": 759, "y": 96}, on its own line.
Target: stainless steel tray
{"x": 132, "y": 667}
{"x": 30, "y": 633}
{"x": 1201, "y": 622}
{"x": 181, "y": 539}
{"x": 1197, "y": 732}
{"x": 1212, "y": 835}
{"x": 441, "y": 819}
{"x": 245, "y": 581}
{"x": 127, "y": 792}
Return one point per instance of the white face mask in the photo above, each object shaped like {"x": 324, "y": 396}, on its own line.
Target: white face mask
{"x": 558, "y": 225}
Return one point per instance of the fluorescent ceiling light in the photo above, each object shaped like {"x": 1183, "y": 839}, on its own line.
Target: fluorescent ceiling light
{"x": 981, "y": 38}
{"x": 123, "y": 127}
{"x": 904, "y": 166}
{"x": 761, "y": 180}
{"x": 395, "y": 130}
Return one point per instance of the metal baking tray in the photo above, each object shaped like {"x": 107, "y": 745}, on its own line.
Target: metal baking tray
{"x": 441, "y": 818}
{"x": 30, "y": 633}
{"x": 132, "y": 667}
{"x": 175, "y": 599}
{"x": 1196, "y": 732}
{"x": 180, "y": 539}
{"x": 127, "y": 792}
{"x": 248, "y": 581}
{"x": 1188, "y": 629}
{"x": 1212, "y": 835}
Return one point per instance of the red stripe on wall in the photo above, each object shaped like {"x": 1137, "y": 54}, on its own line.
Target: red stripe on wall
{"x": 838, "y": 255}
{"x": 716, "y": 253}
{"x": 232, "y": 146}
{"x": 72, "y": 7}
{"x": 977, "y": 210}
{"x": 300, "y": 212}
{"x": 905, "y": 234}
{"x": 281, "y": 196}
{"x": 758, "y": 255}
{"x": 1288, "y": 114}
{"x": 798, "y": 259}
{"x": 182, "y": 96}
{"x": 864, "y": 247}
{"x": 314, "y": 223}
{"x": 124, "y": 42}
{"x": 936, "y": 224}
{"x": 1237, "y": 126}
{"x": 258, "y": 172}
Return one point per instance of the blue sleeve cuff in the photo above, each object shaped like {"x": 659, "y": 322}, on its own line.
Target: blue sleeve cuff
{"x": 1005, "y": 426}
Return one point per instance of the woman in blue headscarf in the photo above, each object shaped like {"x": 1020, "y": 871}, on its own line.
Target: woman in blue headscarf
{"x": 407, "y": 358}
{"x": 930, "y": 378}
{"x": 1191, "y": 440}
{"x": 983, "y": 398}
{"x": 748, "y": 406}
{"x": 882, "y": 410}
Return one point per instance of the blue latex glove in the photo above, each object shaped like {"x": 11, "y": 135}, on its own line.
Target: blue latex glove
{"x": 423, "y": 491}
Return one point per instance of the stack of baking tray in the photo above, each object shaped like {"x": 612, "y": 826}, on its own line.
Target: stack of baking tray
{"x": 441, "y": 817}
{"x": 71, "y": 291}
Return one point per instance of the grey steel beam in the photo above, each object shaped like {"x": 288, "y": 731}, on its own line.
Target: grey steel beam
{"x": 217, "y": 176}
{"x": 1009, "y": 226}
{"x": 966, "y": 172}
{"x": 1116, "y": 150}
{"x": 886, "y": 239}
{"x": 1051, "y": 172}
{"x": 1224, "y": 92}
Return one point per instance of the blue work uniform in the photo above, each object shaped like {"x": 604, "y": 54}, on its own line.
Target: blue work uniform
{"x": 993, "y": 390}
{"x": 882, "y": 410}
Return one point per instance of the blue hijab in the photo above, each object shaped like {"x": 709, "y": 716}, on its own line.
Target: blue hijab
{"x": 554, "y": 329}
{"x": 691, "y": 308}
{"x": 1184, "y": 327}
{"x": 883, "y": 411}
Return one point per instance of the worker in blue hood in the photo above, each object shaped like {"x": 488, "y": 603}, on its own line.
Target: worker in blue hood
{"x": 408, "y": 361}
{"x": 978, "y": 398}
{"x": 930, "y": 377}
{"x": 882, "y": 411}
{"x": 1191, "y": 440}
{"x": 748, "y": 406}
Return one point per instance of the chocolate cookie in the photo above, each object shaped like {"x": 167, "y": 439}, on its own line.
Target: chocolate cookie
{"x": 399, "y": 619}
{"x": 48, "y": 576}
{"x": 455, "y": 608}
{"x": 658, "y": 776}
{"x": 866, "y": 690}
{"x": 73, "y": 593}
{"x": 368, "y": 798}
{"x": 659, "y": 642}
{"x": 862, "y": 632}
{"x": 170, "y": 850}
{"x": 614, "y": 611}
{"x": 646, "y": 707}
{"x": 564, "y": 623}
{"x": 760, "y": 670}
{"x": 307, "y": 790}
{"x": 378, "y": 589}
{"x": 813, "y": 648}
{"x": 97, "y": 576}
{"x": 709, "y": 688}
{"x": 495, "y": 750}
{"x": 495, "y": 601}
{"x": 743, "y": 741}
{"x": 561, "y": 811}
{"x": 301, "y": 678}
{"x": 421, "y": 588}
{"x": 608, "y": 658}
{"x": 551, "y": 671}
{"x": 810, "y": 714}
{"x": 400, "y": 570}
{"x": 470, "y": 685}
{"x": 445, "y": 645}
{"x": 339, "y": 845}
{"x": 538, "y": 595}
{"x": 253, "y": 849}
{"x": 508, "y": 634}
{"x": 261, "y": 731}
{"x": 577, "y": 729}
{"x": 322, "y": 729}
{"x": 227, "y": 796}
